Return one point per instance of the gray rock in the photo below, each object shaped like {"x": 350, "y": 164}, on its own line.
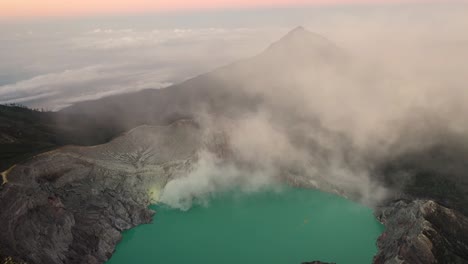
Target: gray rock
{"x": 422, "y": 231}
{"x": 70, "y": 205}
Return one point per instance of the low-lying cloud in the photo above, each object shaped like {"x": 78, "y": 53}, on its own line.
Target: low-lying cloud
{"x": 54, "y": 69}
{"x": 58, "y": 90}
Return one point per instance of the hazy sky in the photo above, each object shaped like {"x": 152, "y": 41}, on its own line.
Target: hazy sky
{"x": 38, "y": 8}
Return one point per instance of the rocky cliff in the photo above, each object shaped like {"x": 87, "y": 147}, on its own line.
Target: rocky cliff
{"x": 420, "y": 232}
{"x": 70, "y": 205}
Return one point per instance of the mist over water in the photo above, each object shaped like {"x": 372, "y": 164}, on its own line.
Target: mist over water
{"x": 282, "y": 226}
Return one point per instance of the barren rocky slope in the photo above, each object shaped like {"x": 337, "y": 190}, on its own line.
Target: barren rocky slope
{"x": 422, "y": 231}
{"x": 70, "y": 205}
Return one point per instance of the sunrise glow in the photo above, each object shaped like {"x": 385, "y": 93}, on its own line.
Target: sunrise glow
{"x": 34, "y": 8}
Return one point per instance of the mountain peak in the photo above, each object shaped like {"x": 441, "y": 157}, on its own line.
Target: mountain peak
{"x": 301, "y": 35}
{"x": 298, "y": 30}
{"x": 300, "y": 44}
{"x": 301, "y": 41}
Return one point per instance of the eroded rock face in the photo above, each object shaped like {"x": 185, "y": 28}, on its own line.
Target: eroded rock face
{"x": 422, "y": 231}
{"x": 70, "y": 205}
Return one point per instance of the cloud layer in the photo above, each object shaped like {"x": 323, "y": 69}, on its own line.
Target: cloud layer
{"x": 57, "y": 69}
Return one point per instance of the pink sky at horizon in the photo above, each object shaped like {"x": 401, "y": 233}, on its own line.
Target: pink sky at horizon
{"x": 40, "y": 8}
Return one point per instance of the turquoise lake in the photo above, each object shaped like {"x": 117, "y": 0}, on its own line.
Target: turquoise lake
{"x": 290, "y": 226}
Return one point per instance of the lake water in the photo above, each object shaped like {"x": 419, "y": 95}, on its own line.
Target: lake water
{"x": 290, "y": 226}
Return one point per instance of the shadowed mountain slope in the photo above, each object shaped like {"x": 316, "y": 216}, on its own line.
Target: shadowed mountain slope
{"x": 231, "y": 91}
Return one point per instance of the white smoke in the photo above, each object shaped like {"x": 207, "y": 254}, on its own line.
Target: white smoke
{"x": 403, "y": 92}
{"x": 209, "y": 177}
